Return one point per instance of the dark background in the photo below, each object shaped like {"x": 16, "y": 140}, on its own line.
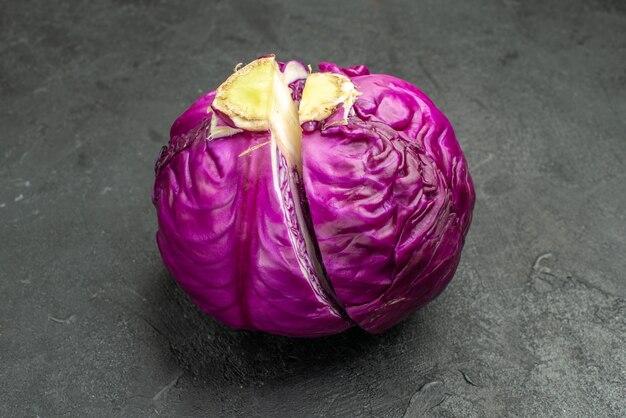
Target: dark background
{"x": 533, "y": 323}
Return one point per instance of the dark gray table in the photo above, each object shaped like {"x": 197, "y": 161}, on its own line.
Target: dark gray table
{"x": 534, "y": 323}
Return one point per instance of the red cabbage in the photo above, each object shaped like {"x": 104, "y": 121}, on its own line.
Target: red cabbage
{"x": 364, "y": 228}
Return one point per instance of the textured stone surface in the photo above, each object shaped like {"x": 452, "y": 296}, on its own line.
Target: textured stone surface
{"x": 532, "y": 325}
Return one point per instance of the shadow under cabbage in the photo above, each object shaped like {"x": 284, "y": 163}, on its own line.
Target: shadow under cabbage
{"x": 210, "y": 351}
